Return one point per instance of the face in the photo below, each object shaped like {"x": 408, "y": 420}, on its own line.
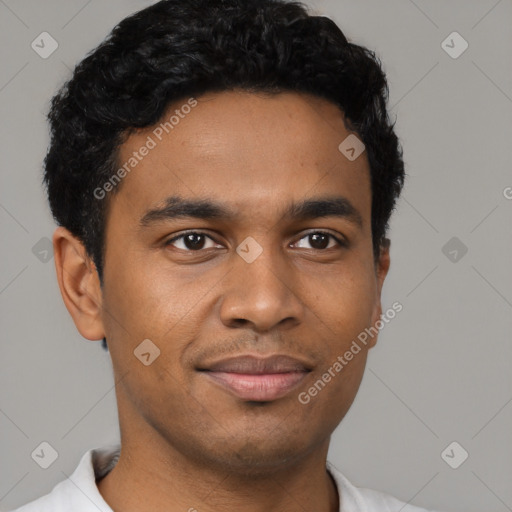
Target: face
{"x": 261, "y": 267}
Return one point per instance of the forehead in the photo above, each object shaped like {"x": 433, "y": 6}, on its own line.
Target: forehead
{"x": 254, "y": 152}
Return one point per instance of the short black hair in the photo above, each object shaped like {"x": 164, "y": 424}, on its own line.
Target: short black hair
{"x": 173, "y": 50}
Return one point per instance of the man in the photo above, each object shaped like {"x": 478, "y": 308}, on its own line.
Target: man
{"x": 223, "y": 173}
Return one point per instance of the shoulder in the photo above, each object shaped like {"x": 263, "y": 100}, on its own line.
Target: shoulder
{"x": 78, "y": 492}
{"x": 354, "y": 499}
{"x": 58, "y": 500}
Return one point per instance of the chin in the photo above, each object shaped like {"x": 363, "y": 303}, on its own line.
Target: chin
{"x": 253, "y": 457}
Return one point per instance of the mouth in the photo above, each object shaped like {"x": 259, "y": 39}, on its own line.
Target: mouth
{"x": 257, "y": 379}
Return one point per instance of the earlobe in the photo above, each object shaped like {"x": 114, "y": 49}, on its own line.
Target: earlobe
{"x": 79, "y": 284}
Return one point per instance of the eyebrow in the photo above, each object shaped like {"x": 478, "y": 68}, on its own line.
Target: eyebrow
{"x": 176, "y": 207}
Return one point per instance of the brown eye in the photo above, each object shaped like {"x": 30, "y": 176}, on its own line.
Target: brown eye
{"x": 191, "y": 241}
{"x": 319, "y": 240}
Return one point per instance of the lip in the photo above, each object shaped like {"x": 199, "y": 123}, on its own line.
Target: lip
{"x": 256, "y": 378}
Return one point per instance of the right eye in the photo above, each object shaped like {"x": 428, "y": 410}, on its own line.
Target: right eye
{"x": 190, "y": 241}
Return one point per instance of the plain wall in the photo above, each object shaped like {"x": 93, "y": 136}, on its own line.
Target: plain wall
{"x": 441, "y": 371}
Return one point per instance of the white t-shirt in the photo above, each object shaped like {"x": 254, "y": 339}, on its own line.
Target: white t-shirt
{"x": 79, "y": 492}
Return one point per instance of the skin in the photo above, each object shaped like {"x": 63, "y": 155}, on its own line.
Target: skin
{"x": 186, "y": 442}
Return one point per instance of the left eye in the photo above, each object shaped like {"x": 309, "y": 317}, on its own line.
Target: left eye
{"x": 319, "y": 239}
{"x": 196, "y": 241}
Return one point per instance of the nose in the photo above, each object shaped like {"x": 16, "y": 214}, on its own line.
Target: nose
{"x": 263, "y": 294}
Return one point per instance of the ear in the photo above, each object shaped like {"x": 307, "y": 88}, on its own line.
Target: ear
{"x": 79, "y": 284}
{"x": 381, "y": 271}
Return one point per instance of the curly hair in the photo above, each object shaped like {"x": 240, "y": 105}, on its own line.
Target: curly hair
{"x": 173, "y": 50}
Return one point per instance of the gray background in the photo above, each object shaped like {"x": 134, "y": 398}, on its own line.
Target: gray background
{"x": 441, "y": 371}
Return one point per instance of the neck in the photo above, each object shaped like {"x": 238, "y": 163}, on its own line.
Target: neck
{"x": 155, "y": 476}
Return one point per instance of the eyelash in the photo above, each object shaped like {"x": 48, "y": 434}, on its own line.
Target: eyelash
{"x": 341, "y": 243}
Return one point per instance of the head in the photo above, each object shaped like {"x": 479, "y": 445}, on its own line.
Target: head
{"x": 195, "y": 129}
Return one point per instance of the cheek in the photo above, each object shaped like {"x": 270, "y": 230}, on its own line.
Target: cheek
{"x": 327, "y": 399}
{"x": 343, "y": 303}
{"x": 148, "y": 300}
{"x": 143, "y": 301}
